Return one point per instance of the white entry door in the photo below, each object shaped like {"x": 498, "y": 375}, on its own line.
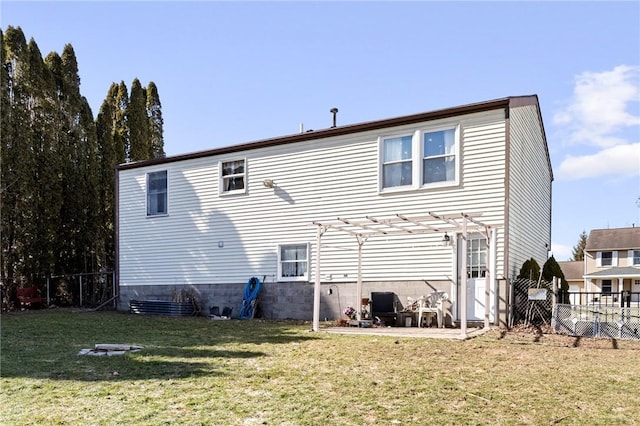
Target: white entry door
{"x": 476, "y": 278}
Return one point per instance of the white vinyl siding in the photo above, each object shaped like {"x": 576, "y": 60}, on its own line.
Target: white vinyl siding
{"x": 316, "y": 181}
{"x": 529, "y": 197}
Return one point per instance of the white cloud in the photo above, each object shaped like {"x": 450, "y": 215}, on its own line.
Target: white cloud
{"x": 621, "y": 160}
{"x": 597, "y": 116}
{"x": 561, "y": 252}
{"x": 599, "y": 106}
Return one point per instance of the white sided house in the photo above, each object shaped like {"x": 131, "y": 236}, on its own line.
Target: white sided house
{"x": 324, "y": 217}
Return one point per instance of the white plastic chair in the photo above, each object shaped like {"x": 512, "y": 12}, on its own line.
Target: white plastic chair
{"x": 433, "y": 304}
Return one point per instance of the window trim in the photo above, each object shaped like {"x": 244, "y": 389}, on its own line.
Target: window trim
{"x": 633, "y": 257}
{"x": 221, "y": 178}
{"x": 418, "y": 158}
{"x": 147, "y": 194}
{"x": 303, "y": 278}
{"x": 600, "y": 258}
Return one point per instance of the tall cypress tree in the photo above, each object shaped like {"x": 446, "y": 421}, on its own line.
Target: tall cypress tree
{"x": 47, "y": 195}
{"x": 110, "y": 154}
{"x": 56, "y": 161}
{"x": 121, "y": 127}
{"x": 18, "y": 160}
{"x": 139, "y": 131}
{"x": 156, "y": 123}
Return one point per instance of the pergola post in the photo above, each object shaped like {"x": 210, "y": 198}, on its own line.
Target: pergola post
{"x": 358, "y": 304}
{"x": 463, "y": 280}
{"x": 487, "y": 282}
{"x": 316, "y": 287}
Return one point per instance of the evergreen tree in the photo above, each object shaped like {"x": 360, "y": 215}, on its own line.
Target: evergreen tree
{"x": 530, "y": 270}
{"x": 47, "y": 194}
{"x": 156, "y": 126}
{"x": 578, "y": 250}
{"x": 139, "y": 131}
{"x": 121, "y": 127}
{"x": 551, "y": 269}
{"x": 57, "y": 162}
{"x": 110, "y": 155}
{"x": 18, "y": 160}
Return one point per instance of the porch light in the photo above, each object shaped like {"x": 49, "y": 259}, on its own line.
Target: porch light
{"x": 446, "y": 240}
{"x": 268, "y": 183}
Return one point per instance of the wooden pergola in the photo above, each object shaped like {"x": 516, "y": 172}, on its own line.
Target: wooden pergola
{"x": 363, "y": 229}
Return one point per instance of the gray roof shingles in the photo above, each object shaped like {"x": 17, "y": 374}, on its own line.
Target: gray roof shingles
{"x": 613, "y": 239}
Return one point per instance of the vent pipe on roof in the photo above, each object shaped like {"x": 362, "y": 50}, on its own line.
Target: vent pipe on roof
{"x": 334, "y": 111}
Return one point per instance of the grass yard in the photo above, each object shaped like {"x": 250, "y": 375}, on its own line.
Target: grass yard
{"x": 196, "y": 371}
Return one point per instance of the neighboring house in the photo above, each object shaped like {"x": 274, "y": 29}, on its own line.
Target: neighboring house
{"x": 573, "y": 272}
{"x": 612, "y": 261}
{"x": 206, "y": 222}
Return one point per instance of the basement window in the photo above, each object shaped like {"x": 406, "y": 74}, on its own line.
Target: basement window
{"x": 293, "y": 262}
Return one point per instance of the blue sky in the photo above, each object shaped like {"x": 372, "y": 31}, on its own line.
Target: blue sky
{"x": 234, "y": 72}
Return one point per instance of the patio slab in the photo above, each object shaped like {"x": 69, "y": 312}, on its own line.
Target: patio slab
{"x": 425, "y": 332}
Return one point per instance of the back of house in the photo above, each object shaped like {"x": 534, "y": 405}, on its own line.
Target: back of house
{"x": 204, "y": 223}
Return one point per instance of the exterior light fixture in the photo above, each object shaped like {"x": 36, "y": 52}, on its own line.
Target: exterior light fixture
{"x": 268, "y": 183}
{"x": 446, "y": 240}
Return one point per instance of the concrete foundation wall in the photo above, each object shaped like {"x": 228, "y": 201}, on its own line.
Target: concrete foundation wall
{"x": 281, "y": 300}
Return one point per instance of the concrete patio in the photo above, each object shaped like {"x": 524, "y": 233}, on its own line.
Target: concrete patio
{"x": 426, "y": 332}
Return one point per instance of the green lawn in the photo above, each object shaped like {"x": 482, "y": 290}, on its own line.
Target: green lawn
{"x": 197, "y": 371}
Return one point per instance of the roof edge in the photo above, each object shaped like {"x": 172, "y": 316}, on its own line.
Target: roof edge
{"x": 507, "y": 102}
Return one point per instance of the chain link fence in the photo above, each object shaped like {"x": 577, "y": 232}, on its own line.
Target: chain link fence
{"x": 597, "y": 321}
{"x": 532, "y": 302}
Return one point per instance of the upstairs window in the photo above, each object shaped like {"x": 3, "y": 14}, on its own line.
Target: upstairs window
{"x": 293, "y": 262}
{"x": 439, "y": 161}
{"x": 606, "y": 259}
{"x": 426, "y": 158}
{"x": 397, "y": 161}
{"x": 233, "y": 176}
{"x": 635, "y": 257}
{"x": 157, "y": 204}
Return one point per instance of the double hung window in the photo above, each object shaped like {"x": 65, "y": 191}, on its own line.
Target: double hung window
{"x": 607, "y": 258}
{"x": 606, "y": 287}
{"x": 439, "y": 161}
{"x": 233, "y": 176}
{"x": 397, "y": 161}
{"x": 293, "y": 262}
{"x": 157, "y": 200}
{"x": 635, "y": 257}
{"x": 422, "y": 159}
